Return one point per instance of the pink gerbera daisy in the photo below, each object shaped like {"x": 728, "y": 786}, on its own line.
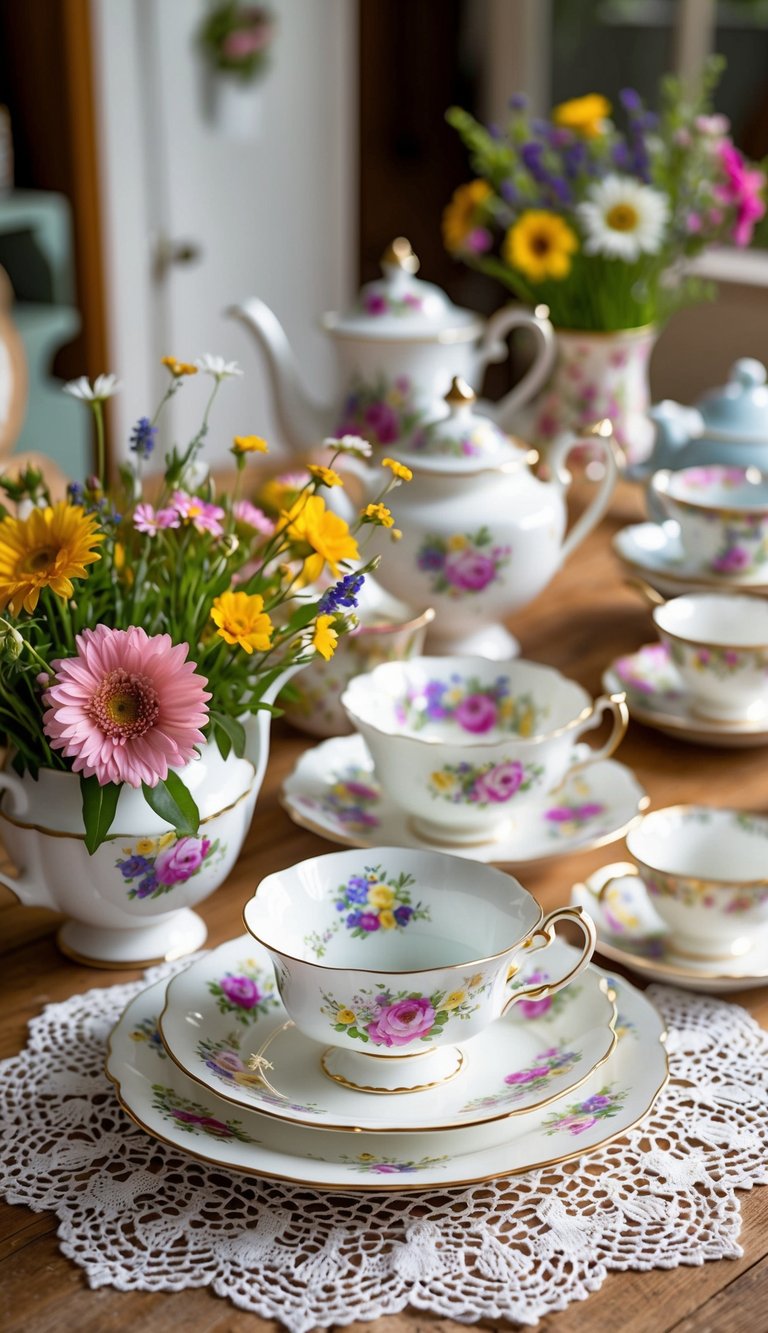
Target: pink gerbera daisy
{"x": 204, "y": 517}
{"x": 128, "y": 707}
{"x": 253, "y": 517}
{"x": 146, "y": 520}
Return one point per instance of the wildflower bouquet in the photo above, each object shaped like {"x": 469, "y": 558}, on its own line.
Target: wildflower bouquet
{"x": 595, "y": 220}
{"x": 236, "y": 39}
{"x": 132, "y": 631}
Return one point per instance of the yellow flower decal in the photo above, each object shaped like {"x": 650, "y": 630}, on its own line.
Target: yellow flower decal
{"x": 380, "y": 896}
{"x": 461, "y": 215}
{"x": 145, "y": 846}
{"x": 325, "y": 475}
{"x": 540, "y": 245}
{"x": 378, "y": 514}
{"x": 48, "y": 549}
{"x": 310, "y": 524}
{"x": 442, "y": 780}
{"x": 249, "y": 444}
{"x": 584, "y": 115}
{"x": 345, "y": 1016}
{"x": 242, "y": 620}
{"x": 474, "y": 981}
{"x": 178, "y": 368}
{"x": 456, "y": 542}
{"x": 325, "y": 638}
{"x": 398, "y": 470}
{"x": 455, "y": 998}
{"x": 387, "y": 920}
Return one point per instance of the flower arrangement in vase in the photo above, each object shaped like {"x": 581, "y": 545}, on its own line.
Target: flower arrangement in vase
{"x": 596, "y": 222}
{"x": 138, "y": 638}
{"x": 236, "y": 40}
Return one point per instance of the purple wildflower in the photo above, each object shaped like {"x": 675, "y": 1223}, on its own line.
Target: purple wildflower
{"x": 143, "y": 437}
{"x": 343, "y": 593}
{"x": 75, "y": 493}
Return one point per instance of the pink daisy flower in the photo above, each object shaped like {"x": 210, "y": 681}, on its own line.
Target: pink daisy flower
{"x": 253, "y": 517}
{"x": 146, "y": 520}
{"x": 128, "y": 707}
{"x": 204, "y": 517}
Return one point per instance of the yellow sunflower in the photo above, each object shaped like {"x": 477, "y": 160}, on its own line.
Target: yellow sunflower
{"x": 584, "y": 115}
{"x": 461, "y": 214}
{"x": 46, "y": 550}
{"x": 241, "y": 619}
{"x": 540, "y": 245}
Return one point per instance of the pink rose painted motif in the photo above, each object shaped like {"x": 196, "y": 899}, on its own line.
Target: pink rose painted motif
{"x": 474, "y": 705}
{"x": 483, "y": 785}
{"x": 462, "y": 564}
{"x": 153, "y": 866}
{"x": 194, "y": 1118}
{"x": 383, "y": 1017}
{"x": 244, "y": 993}
{"x": 581, "y": 1116}
{"x": 519, "y": 1084}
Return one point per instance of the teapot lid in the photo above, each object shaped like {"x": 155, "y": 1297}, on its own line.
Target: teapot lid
{"x": 399, "y": 305}
{"x": 465, "y": 438}
{"x": 741, "y": 406}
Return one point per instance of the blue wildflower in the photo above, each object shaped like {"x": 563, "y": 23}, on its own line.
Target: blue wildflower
{"x": 343, "y": 593}
{"x": 403, "y": 914}
{"x": 357, "y": 893}
{"x": 147, "y": 886}
{"x": 354, "y": 918}
{"x": 143, "y": 437}
{"x": 134, "y": 866}
{"x": 75, "y": 493}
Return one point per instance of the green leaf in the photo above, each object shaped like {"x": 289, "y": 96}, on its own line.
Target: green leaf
{"x": 173, "y": 803}
{"x": 99, "y": 807}
{"x": 233, "y": 729}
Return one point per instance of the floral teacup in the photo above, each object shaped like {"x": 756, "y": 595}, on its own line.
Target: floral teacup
{"x": 719, "y": 644}
{"x": 390, "y": 956}
{"x": 722, "y": 513}
{"x": 705, "y": 871}
{"x": 464, "y": 745}
{"x": 389, "y": 630}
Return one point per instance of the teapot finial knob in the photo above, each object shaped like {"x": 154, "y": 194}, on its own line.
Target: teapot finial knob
{"x": 400, "y": 255}
{"x": 460, "y": 394}
{"x": 749, "y": 372}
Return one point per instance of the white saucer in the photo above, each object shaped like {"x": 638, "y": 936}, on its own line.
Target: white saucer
{"x": 656, "y": 696}
{"x": 171, "y": 1107}
{"x": 333, "y": 791}
{"x": 540, "y": 1051}
{"x": 631, "y": 932}
{"x": 653, "y": 550}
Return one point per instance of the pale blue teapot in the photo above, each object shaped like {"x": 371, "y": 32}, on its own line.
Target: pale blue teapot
{"x": 728, "y": 425}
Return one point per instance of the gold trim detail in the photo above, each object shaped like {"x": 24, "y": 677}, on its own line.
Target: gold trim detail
{"x": 460, "y": 393}
{"x": 391, "y": 1092}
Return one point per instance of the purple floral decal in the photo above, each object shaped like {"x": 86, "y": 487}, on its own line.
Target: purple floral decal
{"x": 383, "y": 303}
{"x": 382, "y": 412}
{"x": 387, "y": 1018}
{"x": 547, "y": 1004}
{"x": 193, "y": 1118}
{"x": 564, "y": 820}
{"x": 223, "y": 1058}
{"x": 370, "y": 902}
{"x": 483, "y": 784}
{"x": 475, "y": 706}
{"x": 548, "y": 1066}
{"x": 371, "y": 1165}
{"x": 154, "y": 866}
{"x": 148, "y": 1031}
{"x": 462, "y": 564}
{"x": 581, "y": 1116}
{"x": 350, "y": 800}
{"x": 244, "y": 993}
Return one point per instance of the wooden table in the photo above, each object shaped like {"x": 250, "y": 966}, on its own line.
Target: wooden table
{"x": 583, "y": 620}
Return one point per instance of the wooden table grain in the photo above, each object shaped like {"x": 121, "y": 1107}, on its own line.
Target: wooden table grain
{"x": 584, "y": 619}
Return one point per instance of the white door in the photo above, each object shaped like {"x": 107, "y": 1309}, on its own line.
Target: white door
{"x": 270, "y": 216}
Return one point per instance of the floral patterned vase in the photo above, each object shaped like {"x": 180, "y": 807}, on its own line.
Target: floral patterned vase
{"x": 598, "y": 375}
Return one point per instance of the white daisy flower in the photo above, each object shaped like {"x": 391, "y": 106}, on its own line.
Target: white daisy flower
{"x": 623, "y": 219}
{"x": 104, "y": 386}
{"x": 349, "y": 444}
{"x": 218, "y": 367}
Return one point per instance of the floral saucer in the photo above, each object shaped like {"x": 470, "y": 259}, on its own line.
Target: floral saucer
{"x": 224, "y": 1008}
{"x": 657, "y": 697}
{"x": 162, "y": 1100}
{"x": 333, "y": 791}
{"x": 654, "y": 551}
{"x": 631, "y": 932}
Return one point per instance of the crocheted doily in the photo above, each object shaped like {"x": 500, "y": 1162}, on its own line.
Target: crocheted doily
{"x": 138, "y": 1215}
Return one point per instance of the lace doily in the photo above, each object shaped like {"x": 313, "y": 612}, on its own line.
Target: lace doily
{"x": 137, "y": 1215}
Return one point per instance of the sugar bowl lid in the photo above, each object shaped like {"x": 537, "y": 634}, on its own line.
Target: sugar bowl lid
{"x": 398, "y": 305}
{"x": 740, "y": 407}
{"x": 465, "y": 440}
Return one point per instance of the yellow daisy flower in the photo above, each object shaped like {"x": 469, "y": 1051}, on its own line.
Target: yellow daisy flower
{"x": 48, "y": 549}
{"x": 584, "y": 115}
{"x": 325, "y": 638}
{"x": 398, "y": 470}
{"x": 540, "y": 245}
{"x": 241, "y": 619}
{"x": 387, "y": 920}
{"x": 249, "y": 444}
{"x": 460, "y": 215}
{"x": 325, "y": 475}
{"x": 178, "y": 368}
{"x": 379, "y": 514}
{"x": 309, "y": 523}
{"x": 345, "y": 1016}
{"x": 380, "y": 896}
{"x": 453, "y": 1000}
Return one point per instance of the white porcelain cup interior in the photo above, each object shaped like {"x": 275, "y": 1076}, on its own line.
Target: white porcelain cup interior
{"x": 463, "y": 744}
{"x": 719, "y": 644}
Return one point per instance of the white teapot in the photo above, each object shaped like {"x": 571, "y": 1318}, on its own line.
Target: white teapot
{"x": 481, "y": 533}
{"x": 397, "y": 352}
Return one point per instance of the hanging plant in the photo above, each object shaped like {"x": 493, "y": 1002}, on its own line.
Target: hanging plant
{"x": 236, "y": 39}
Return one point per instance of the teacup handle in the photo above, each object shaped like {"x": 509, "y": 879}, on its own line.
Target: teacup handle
{"x": 615, "y": 704}
{"x": 494, "y": 348}
{"x": 546, "y": 934}
{"x": 618, "y": 870}
{"x": 30, "y": 891}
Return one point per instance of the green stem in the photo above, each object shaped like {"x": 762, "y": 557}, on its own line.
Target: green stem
{"x": 98, "y": 414}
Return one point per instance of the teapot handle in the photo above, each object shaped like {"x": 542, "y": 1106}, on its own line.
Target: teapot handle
{"x": 493, "y": 347}
{"x": 601, "y": 436}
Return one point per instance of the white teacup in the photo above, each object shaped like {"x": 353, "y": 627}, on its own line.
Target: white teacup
{"x": 465, "y": 745}
{"x": 722, "y": 513}
{"x": 706, "y": 872}
{"x": 719, "y": 644}
{"x": 390, "y": 956}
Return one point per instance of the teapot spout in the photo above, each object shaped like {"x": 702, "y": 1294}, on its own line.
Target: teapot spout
{"x": 302, "y": 422}
{"x": 675, "y": 426}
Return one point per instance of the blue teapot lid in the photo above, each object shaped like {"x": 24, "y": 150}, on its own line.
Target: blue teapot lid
{"x": 739, "y": 407}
